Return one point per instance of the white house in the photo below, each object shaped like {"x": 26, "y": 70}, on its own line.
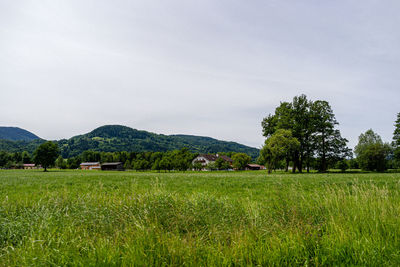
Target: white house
{"x": 206, "y": 159}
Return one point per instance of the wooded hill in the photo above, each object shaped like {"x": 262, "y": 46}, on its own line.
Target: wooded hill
{"x": 112, "y": 138}
{"x": 16, "y": 134}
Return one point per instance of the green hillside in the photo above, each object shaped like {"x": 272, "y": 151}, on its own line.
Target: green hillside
{"x": 16, "y": 134}
{"x": 112, "y": 138}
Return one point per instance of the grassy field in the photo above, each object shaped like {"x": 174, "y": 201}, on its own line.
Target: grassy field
{"x": 198, "y": 219}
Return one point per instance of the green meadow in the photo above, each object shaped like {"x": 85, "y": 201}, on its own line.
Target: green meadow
{"x": 94, "y": 218}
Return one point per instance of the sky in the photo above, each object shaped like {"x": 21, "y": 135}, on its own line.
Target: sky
{"x": 208, "y": 68}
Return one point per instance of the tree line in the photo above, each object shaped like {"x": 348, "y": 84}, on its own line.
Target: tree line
{"x": 303, "y": 134}
{"x": 48, "y": 155}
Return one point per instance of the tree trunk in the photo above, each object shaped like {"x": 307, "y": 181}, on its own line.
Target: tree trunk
{"x": 287, "y": 165}
{"x": 300, "y": 165}
{"x": 323, "y": 159}
{"x": 294, "y": 165}
{"x": 296, "y": 162}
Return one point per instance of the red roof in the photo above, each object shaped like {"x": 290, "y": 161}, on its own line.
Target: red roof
{"x": 29, "y": 165}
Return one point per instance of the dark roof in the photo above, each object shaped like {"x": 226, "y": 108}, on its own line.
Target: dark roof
{"x": 208, "y": 157}
{"x": 254, "y": 165}
{"x": 111, "y": 163}
{"x": 226, "y": 158}
{"x": 89, "y": 163}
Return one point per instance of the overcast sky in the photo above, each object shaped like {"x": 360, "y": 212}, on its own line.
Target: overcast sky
{"x": 211, "y": 67}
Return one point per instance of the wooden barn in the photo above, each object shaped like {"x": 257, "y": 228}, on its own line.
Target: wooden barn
{"x": 255, "y": 167}
{"x": 112, "y": 166}
{"x": 90, "y": 166}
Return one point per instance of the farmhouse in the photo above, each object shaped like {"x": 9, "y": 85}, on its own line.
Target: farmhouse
{"x": 29, "y": 166}
{"x": 90, "y": 166}
{"x": 112, "y": 166}
{"x": 206, "y": 159}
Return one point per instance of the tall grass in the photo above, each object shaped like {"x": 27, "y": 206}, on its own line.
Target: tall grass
{"x": 197, "y": 219}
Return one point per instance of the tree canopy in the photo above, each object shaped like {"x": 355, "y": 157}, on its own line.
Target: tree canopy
{"x": 46, "y": 154}
{"x": 371, "y": 152}
{"x": 240, "y": 160}
{"x": 280, "y": 145}
{"x": 313, "y": 124}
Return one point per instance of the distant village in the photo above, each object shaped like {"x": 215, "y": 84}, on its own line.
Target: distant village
{"x": 206, "y": 162}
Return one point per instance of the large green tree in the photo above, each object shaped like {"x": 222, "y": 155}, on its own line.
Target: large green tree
{"x": 371, "y": 152}
{"x": 222, "y": 164}
{"x": 327, "y": 141}
{"x": 181, "y": 159}
{"x": 46, "y": 154}
{"x": 313, "y": 124}
{"x": 240, "y": 160}
{"x": 278, "y": 147}
{"x": 165, "y": 164}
